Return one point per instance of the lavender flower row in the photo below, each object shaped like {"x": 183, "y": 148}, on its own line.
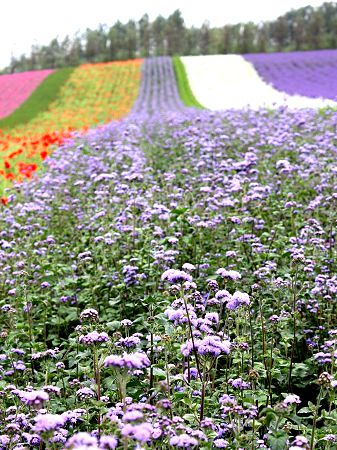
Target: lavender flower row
{"x": 310, "y": 73}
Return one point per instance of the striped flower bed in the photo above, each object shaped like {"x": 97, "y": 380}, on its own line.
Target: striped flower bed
{"x": 229, "y": 81}
{"x": 17, "y": 87}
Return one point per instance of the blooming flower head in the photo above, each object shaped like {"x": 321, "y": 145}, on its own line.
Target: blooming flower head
{"x": 140, "y": 432}
{"x": 228, "y": 274}
{"x": 221, "y": 443}
{"x": 136, "y": 360}
{"x": 183, "y": 441}
{"x": 238, "y": 383}
{"x": 89, "y": 314}
{"x": 126, "y": 323}
{"x": 238, "y": 299}
{"x": 175, "y": 276}
{"x": 131, "y": 416}
{"x": 85, "y": 393}
{"x": 108, "y": 442}
{"x": 36, "y": 399}
{"x": 189, "y": 267}
{"x": 82, "y": 440}
{"x": 300, "y": 443}
{"x": 48, "y": 422}
{"x": 209, "y": 346}
{"x": 94, "y": 338}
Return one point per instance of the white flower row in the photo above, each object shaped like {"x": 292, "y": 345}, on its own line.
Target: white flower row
{"x": 229, "y": 81}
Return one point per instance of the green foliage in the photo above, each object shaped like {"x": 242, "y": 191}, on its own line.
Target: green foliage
{"x": 184, "y": 87}
{"x": 306, "y": 28}
{"x": 39, "y": 100}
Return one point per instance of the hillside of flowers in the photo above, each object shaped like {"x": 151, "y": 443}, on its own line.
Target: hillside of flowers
{"x": 169, "y": 281}
{"x": 310, "y": 73}
{"x": 93, "y": 95}
{"x": 16, "y": 88}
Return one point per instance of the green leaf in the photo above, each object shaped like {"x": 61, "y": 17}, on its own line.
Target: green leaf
{"x": 160, "y": 373}
{"x": 189, "y": 418}
{"x": 278, "y": 442}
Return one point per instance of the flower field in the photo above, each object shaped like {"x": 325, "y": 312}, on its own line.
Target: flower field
{"x": 16, "y": 88}
{"x": 311, "y": 73}
{"x": 169, "y": 281}
{"x": 94, "y": 94}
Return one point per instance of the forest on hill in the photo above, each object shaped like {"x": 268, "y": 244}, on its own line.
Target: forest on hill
{"x": 306, "y": 28}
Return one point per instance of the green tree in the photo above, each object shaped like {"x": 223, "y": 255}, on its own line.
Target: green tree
{"x": 131, "y": 39}
{"x": 144, "y": 36}
{"x": 205, "y": 39}
{"x": 175, "y": 34}
{"x": 248, "y": 38}
{"x": 316, "y": 30}
{"x": 158, "y": 34}
{"x": 96, "y": 44}
{"x": 280, "y": 33}
{"x": 117, "y": 42}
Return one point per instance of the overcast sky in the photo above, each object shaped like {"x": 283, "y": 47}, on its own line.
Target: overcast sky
{"x": 27, "y": 22}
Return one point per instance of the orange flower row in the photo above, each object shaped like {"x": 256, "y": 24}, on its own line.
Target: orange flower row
{"x": 94, "y": 94}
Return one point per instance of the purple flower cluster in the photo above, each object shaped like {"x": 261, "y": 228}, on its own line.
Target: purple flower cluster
{"x": 93, "y": 338}
{"x": 176, "y": 276}
{"x": 130, "y": 361}
{"x": 209, "y": 346}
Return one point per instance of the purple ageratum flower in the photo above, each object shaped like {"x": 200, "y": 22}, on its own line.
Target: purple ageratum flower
{"x": 32, "y": 439}
{"x": 19, "y": 365}
{"x": 209, "y": 346}
{"x": 89, "y": 314}
{"x": 141, "y": 432}
{"x": 291, "y": 399}
{"x": 323, "y": 358}
{"x": 179, "y": 316}
{"x": 4, "y": 440}
{"x": 85, "y": 393}
{"x": 8, "y": 309}
{"x": 73, "y": 416}
{"x": 238, "y": 299}
{"x": 51, "y": 389}
{"x": 223, "y": 295}
{"x": 192, "y": 372}
{"x": 229, "y": 274}
{"x": 238, "y": 383}
{"x": 93, "y": 338}
{"x": 18, "y": 351}
{"x": 131, "y": 416}
{"x": 212, "y": 317}
{"x": 108, "y": 442}
{"x": 299, "y": 443}
{"x": 189, "y": 267}
{"x": 126, "y": 323}
{"x": 36, "y": 399}
{"x": 83, "y": 440}
{"x": 48, "y": 422}
{"x": 136, "y": 360}
{"x": 128, "y": 342}
{"x": 175, "y": 276}
{"x": 183, "y": 440}
{"x": 220, "y": 443}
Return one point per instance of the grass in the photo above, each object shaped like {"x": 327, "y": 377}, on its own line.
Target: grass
{"x": 184, "y": 87}
{"x": 39, "y": 100}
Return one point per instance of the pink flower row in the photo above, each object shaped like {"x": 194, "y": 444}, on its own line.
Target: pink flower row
{"x": 17, "y": 87}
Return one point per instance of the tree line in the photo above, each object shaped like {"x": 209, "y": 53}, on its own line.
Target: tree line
{"x": 306, "y": 28}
